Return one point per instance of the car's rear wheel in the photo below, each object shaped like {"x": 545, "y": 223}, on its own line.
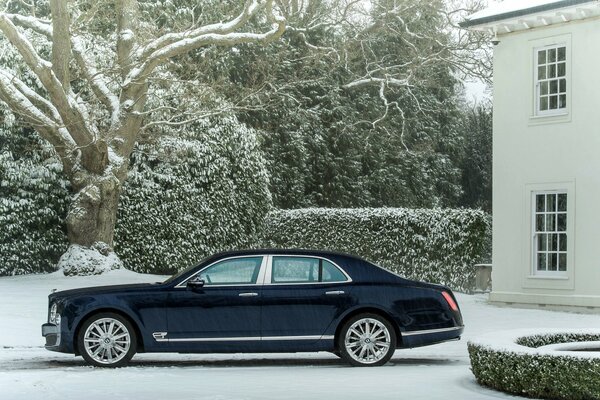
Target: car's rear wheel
{"x": 367, "y": 340}
{"x": 107, "y": 340}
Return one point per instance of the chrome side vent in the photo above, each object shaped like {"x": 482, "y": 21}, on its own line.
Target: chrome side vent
{"x": 160, "y": 336}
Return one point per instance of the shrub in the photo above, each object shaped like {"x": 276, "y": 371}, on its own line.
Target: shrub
{"x": 32, "y": 206}
{"x": 437, "y": 245}
{"x": 517, "y": 363}
{"x": 189, "y": 196}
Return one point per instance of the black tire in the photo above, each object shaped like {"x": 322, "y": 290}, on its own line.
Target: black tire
{"x": 377, "y": 352}
{"x": 116, "y": 343}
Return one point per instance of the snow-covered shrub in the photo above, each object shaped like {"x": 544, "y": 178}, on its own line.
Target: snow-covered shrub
{"x": 189, "y": 196}
{"x": 518, "y": 363}
{"x": 437, "y": 245}
{"x": 33, "y": 202}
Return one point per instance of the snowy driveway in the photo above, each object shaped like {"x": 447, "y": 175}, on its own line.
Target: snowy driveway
{"x": 27, "y": 371}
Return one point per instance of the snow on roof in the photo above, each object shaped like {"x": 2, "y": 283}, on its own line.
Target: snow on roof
{"x": 509, "y": 9}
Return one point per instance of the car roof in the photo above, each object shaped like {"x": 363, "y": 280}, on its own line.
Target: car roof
{"x": 286, "y": 251}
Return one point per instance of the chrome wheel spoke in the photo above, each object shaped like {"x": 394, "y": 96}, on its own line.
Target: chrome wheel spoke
{"x": 368, "y": 341}
{"x": 107, "y": 341}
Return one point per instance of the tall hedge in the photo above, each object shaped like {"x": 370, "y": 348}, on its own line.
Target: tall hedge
{"x": 436, "y": 245}
{"x": 33, "y": 201}
{"x": 190, "y": 196}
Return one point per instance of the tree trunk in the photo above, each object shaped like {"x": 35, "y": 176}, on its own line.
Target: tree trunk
{"x": 91, "y": 225}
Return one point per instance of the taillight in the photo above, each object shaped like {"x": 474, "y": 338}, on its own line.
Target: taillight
{"x": 450, "y": 301}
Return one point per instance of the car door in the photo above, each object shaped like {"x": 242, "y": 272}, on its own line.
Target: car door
{"x": 225, "y": 309}
{"x": 301, "y": 296}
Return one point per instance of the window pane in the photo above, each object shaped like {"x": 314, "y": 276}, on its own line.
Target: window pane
{"x": 562, "y": 262}
{"x": 541, "y": 262}
{"x": 563, "y": 242}
{"x": 550, "y": 223}
{"x": 553, "y": 103}
{"x": 553, "y": 242}
{"x": 552, "y": 262}
{"x": 331, "y": 273}
{"x": 235, "y": 271}
{"x": 562, "y": 53}
{"x": 539, "y": 223}
{"x": 551, "y": 55}
{"x": 562, "y": 101}
{"x": 562, "y": 69}
{"x": 553, "y": 87}
{"x": 540, "y": 202}
{"x": 541, "y": 73}
{"x": 544, "y": 103}
{"x": 550, "y": 202}
{"x": 562, "y": 202}
{"x": 561, "y": 223}
{"x": 562, "y": 85}
{"x": 552, "y": 71}
{"x": 541, "y": 242}
{"x": 541, "y": 57}
{"x": 543, "y": 88}
{"x": 295, "y": 270}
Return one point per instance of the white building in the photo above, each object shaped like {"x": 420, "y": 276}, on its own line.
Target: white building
{"x": 546, "y": 202}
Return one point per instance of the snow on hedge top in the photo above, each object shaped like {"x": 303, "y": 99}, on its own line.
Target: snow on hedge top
{"x": 508, "y": 342}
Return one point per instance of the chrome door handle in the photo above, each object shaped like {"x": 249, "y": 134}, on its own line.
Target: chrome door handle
{"x": 334, "y": 292}
{"x": 251, "y": 294}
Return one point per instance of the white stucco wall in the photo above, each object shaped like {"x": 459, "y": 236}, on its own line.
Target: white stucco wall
{"x": 533, "y": 153}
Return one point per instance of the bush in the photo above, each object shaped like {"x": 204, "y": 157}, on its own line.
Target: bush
{"x": 436, "y": 245}
{"x": 32, "y": 206}
{"x": 517, "y": 364}
{"x": 190, "y": 196}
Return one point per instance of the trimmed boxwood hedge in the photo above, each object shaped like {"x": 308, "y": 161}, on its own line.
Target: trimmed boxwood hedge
{"x": 436, "y": 245}
{"x": 519, "y": 365}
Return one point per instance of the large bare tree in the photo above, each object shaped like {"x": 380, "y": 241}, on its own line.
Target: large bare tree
{"x": 71, "y": 85}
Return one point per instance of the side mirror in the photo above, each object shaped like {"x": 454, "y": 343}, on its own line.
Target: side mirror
{"x": 195, "y": 283}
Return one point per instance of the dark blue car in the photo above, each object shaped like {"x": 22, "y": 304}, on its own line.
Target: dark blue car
{"x": 256, "y": 301}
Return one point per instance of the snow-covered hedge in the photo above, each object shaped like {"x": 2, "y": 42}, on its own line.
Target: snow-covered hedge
{"x": 32, "y": 209}
{"x": 533, "y": 364}
{"x": 436, "y": 245}
{"x": 190, "y": 196}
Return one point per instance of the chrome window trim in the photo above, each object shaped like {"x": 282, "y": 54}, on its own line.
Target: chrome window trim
{"x": 259, "y": 279}
{"x": 246, "y": 338}
{"x": 268, "y": 275}
{"x": 429, "y": 331}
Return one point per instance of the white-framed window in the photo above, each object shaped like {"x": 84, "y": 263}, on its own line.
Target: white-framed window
{"x": 551, "y": 79}
{"x": 550, "y": 248}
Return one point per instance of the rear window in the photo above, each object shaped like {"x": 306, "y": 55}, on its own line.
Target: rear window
{"x": 291, "y": 269}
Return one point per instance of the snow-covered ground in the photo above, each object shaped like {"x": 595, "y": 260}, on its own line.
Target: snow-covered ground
{"x": 27, "y": 371}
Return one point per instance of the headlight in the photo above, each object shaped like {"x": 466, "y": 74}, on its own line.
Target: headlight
{"x": 54, "y": 316}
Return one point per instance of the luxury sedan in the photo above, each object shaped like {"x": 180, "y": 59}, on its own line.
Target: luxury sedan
{"x": 256, "y": 301}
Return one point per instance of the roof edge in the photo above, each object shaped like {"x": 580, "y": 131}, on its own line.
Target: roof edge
{"x": 526, "y": 11}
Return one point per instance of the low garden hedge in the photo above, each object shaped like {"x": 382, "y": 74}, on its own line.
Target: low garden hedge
{"x": 436, "y": 245}
{"x": 526, "y": 364}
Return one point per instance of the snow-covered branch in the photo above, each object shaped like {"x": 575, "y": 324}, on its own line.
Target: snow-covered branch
{"x": 217, "y": 34}
{"x": 21, "y": 100}
{"x": 71, "y": 115}
{"x": 378, "y": 81}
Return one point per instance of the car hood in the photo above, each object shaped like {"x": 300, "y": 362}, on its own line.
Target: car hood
{"x": 94, "y": 290}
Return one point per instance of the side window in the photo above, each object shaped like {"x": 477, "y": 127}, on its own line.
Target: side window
{"x": 331, "y": 273}
{"x": 304, "y": 270}
{"x": 243, "y": 270}
{"x": 295, "y": 270}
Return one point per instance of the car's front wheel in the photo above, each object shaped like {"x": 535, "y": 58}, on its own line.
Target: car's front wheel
{"x": 367, "y": 340}
{"x": 107, "y": 340}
